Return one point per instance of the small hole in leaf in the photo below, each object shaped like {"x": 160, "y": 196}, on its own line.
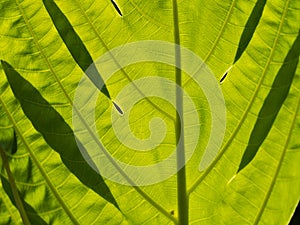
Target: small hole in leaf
{"x": 225, "y": 74}
{"x": 116, "y": 7}
{"x": 172, "y": 212}
{"x": 118, "y": 108}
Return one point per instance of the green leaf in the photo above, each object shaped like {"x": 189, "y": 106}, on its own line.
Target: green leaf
{"x": 252, "y": 38}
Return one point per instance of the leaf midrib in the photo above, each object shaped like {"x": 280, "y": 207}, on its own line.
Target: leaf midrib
{"x": 182, "y": 198}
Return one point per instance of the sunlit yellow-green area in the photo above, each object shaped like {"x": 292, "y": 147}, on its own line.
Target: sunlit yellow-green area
{"x": 55, "y": 183}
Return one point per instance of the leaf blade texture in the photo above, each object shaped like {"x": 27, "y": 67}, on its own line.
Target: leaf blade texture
{"x": 215, "y": 31}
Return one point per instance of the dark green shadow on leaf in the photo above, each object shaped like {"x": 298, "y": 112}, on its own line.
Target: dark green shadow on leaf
{"x": 14, "y": 146}
{"x": 75, "y": 45}
{"x": 8, "y": 137}
{"x": 250, "y": 27}
{"x": 56, "y": 132}
{"x": 33, "y": 216}
{"x": 273, "y": 103}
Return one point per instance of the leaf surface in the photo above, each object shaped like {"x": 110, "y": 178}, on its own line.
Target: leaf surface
{"x": 255, "y": 39}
